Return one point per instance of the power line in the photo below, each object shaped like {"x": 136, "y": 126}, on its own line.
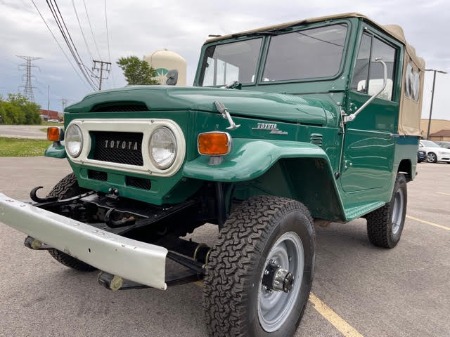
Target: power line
{"x": 81, "y": 29}
{"x": 87, "y": 73}
{"x": 107, "y": 34}
{"x": 57, "y": 42}
{"x": 107, "y": 40}
{"x": 90, "y": 26}
{"x": 28, "y": 88}
{"x": 53, "y": 6}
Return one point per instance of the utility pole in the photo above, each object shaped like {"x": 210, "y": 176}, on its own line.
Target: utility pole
{"x": 101, "y": 66}
{"x": 48, "y": 97}
{"x": 432, "y": 97}
{"x": 27, "y": 87}
{"x": 63, "y": 103}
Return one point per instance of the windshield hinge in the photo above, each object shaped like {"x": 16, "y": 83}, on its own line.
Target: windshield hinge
{"x": 225, "y": 114}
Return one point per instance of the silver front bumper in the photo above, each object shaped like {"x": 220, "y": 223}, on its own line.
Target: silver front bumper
{"x": 133, "y": 260}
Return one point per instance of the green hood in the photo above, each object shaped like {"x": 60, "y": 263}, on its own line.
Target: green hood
{"x": 245, "y": 103}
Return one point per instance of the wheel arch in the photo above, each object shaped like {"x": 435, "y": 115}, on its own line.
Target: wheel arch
{"x": 295, "y": 170}
{"x": 308, "y": 180}
{"x": 405, "y": 167}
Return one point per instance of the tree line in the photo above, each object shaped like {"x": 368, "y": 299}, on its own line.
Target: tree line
{"x": 17, "y": 109}
{"x": 137, "y": 71}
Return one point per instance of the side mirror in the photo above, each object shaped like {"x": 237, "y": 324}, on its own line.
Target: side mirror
{"x": 351, "y": 117}
{"x": 172, "y": 77}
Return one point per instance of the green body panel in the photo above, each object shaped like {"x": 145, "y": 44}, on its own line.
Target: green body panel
{"x": 291, "y": 141}
{"x": 246, "y": 161}
{"x": 56, "y": 150}
{"x": 253, "y": 104}
{"x": 163, "y": 190}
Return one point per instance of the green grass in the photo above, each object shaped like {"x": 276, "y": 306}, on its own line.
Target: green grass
{"x": 20, "y": 147}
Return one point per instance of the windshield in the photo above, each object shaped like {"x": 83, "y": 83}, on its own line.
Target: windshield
{"x": 305, "y": 54}
{"x": 299, "y": 55}
{"x": 428, "y": 143}
{"x": 223, "y": 64}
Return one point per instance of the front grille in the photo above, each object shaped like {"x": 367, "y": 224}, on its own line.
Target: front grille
{"x": 120, "y": 107}
{"x": 97, "y": 175}
{"x": 141, "y": 183}
{"x": 316, "y": 139}
{"x": 118, "y": 147}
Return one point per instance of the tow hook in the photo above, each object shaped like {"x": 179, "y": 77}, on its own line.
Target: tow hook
{"x": 35, "y": 198}
{"x": 276, "y": 278}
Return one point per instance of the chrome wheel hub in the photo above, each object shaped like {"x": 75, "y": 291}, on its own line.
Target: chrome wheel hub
{"x": 281, "y": 281}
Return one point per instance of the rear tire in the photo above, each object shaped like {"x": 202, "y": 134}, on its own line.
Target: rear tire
{"x": 67, "y": 188}
{"x": 385, "y": 225}
{"x": 263, "y": 232}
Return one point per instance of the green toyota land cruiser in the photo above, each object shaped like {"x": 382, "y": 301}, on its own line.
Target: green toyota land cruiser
{"x": 313, "y": 121}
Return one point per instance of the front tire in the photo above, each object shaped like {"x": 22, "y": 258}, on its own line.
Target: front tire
{"x": 385, "y": 225}
{"x": 260, "y": 271}
{"x": 431, "y": 157}
{"x": 67, "y": 188}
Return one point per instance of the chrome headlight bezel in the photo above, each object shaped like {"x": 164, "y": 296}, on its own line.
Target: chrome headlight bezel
{"x": 139, "y": 125}
{"x": 163, "y": 140}
{"x": 73, "y": 140}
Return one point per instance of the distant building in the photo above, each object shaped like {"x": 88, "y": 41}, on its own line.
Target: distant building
{"x": 47, "y": 115}
{"x": 439, "y": 129}
{"x": 441, "y": 135}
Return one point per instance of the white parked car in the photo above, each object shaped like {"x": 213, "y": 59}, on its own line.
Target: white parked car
{"x": 435, "y": 153}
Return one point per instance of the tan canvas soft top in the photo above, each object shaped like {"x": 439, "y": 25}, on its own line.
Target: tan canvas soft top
{"x": 413, "y": 69}
{"x": 413, "y": 75}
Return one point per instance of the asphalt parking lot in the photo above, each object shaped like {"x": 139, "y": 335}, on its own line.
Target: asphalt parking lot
{"x": 24, "y": 131}
{"x": 358, "y": 290}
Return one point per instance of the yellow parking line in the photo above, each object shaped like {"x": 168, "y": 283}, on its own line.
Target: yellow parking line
{"x": 443, "y": 193}
{"x": 340, "y": 324}
{"x": 428, "y": 223}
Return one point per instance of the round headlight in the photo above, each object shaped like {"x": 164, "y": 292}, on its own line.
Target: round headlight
{"x": 162, "y": 148}
{"x": 73, "y": 139}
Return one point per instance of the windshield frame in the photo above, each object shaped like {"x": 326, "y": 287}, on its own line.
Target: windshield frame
{"x": 204, "y": 60}
{"x": 262, "y": 59}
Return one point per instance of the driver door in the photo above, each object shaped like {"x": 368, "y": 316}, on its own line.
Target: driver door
{"x": 370, "y": 138}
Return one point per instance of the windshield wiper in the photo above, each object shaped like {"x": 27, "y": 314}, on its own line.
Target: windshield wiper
{"x": 234, "y": 85}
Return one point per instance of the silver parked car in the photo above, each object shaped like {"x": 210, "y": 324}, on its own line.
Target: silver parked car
{"x": 434, "y": 152}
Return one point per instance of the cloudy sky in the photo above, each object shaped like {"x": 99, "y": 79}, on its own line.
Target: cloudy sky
{"x": 140, "y": 27}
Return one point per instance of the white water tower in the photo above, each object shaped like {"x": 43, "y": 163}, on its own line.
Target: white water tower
{"x": 165, "y": 60}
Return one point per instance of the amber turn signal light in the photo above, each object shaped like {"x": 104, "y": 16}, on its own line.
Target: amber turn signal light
{"x": 214, "y": 143}
{"x": 54, "y": 134}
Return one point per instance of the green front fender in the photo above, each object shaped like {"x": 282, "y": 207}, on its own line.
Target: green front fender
{"x": 56, "y": 150}
{"x": 295, "y": 170}
{"x": 249, "y": 159}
